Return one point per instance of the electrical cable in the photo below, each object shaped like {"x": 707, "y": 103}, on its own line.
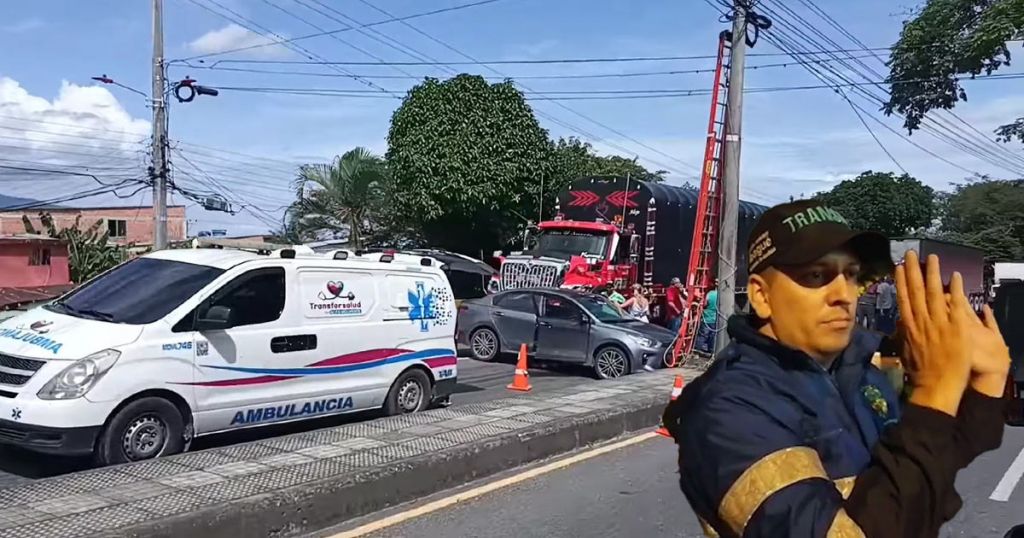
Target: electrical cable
{"x": 331, "y": 32}
{"x": 937, "y": 127}
{"x": 500, "y": 78}
{"x": 988, "y": 147}
{"x": 248, "y": 24}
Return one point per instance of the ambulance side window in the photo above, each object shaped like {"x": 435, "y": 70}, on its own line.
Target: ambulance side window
{"x": 254, "y": 297}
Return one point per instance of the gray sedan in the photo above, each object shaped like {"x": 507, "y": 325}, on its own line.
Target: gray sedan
{"x": 560, "y": 325}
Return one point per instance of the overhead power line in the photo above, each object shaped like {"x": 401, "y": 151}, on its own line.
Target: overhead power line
{"x": 982, "y": 147}
{"x": 835, "y": 78}
{"x": 565, "y": 124}
{"x": 532, "y": 61}
{"x": 260, "y": 30}
{"x": 514, "y": 77}
{"x": 62, "y": 124}
{"x": 606, "y": 94}
{"x": 835, "y": 24}
{"x": 283, "y": 41}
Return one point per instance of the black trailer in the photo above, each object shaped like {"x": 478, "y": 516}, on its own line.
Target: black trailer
{"x": 1009, "y": 310}
{"x": 969, "y": 261}
{"x": 672, "y": 209}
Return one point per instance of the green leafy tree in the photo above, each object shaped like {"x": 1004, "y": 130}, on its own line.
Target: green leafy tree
{"x": 989, "y": 215}
{"x": 893, "y": 205}
{"x": 948, "y": 39}
{"x": 340, "y": 196}
{"x": 89, "y": 251}
{"x": 572, "y": 159}
{"x": 467, "y": 158}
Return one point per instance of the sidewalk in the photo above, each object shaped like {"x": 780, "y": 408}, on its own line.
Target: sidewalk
{"x": 304, "y": 482}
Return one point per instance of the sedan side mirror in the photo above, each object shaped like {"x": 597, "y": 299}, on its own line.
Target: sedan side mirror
{"x": 216, "y": 318}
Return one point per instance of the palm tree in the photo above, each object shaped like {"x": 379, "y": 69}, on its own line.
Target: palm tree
{"x": 340, "y": 195}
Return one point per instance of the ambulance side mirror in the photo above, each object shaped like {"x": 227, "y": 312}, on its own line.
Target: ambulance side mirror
{"x": 216, "y": 318}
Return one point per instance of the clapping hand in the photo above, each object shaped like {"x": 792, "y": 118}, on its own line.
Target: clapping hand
{"x": 940, "y": 334}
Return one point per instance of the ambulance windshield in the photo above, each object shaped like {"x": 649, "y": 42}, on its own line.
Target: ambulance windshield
{"x": 140, "y": 291}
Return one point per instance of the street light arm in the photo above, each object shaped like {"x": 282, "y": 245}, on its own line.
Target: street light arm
{"x": 107, "y": 80}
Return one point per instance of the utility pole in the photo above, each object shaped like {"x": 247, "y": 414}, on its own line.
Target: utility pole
{"x": 159, "y": 168}
{"x": 730, "y": 187}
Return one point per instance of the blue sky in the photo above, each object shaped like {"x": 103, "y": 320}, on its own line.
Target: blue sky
{"x": 794, "y": 142}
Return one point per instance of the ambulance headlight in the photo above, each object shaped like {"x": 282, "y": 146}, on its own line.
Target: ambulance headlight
{"x": 79, "y": 377}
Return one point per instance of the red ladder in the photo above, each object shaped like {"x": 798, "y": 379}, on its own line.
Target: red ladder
{"x": 703, "y": 248}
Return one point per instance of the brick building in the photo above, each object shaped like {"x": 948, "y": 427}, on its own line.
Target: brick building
{"x": 32, "y": 268}
{"x": 125, "y": 224}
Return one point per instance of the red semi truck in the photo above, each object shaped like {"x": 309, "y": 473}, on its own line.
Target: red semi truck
{"x": 618, "y": 231}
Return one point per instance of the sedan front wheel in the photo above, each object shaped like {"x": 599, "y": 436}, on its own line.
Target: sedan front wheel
{"x": 483, "y": 344}
{"x": 610, "y": 362}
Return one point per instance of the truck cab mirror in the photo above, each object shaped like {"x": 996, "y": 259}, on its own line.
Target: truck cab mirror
{"x": 216, "y": 318}
{"x": 634, "y": 245}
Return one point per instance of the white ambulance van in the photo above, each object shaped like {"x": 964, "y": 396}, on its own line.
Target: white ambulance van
{"x": 135, "y": 363}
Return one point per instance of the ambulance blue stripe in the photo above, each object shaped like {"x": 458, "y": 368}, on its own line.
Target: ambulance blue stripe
{"x": 324, "y": 370}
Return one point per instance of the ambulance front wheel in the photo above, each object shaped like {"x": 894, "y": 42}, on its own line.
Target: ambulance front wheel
{"x": 144, "y": 429}
{"x": 411, "y": 393}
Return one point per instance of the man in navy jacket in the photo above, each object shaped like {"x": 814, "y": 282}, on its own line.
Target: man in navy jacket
{"x": 792, "y": 431}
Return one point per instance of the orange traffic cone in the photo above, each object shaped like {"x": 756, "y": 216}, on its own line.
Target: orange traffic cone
{"x": 677, "y": 389}
{"x": 521, "y": 381}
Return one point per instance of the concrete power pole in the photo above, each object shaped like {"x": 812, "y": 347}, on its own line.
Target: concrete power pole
{"x": 731, "y": 176}
{"x": 159, "y": 168}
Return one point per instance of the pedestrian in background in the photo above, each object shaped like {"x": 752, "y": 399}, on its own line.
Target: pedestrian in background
{"x": 866, "y": 304}
{"x": 639, "y": 304}
{"x": 613, "y": 295}
{"x": 792, "y": 432}
{"x": 885, "y": 306}
{"x": 709, "y": 321}
{"x": 674, "y": 305}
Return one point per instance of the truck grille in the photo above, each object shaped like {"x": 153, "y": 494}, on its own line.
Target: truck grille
{"x": 525, "y": 274}
{"x": 16, "y": 371}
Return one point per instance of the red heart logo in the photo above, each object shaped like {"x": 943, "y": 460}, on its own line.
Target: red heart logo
{"x": 335, "y": 288}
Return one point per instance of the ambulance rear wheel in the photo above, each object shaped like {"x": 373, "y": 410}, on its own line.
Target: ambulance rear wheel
{"x": 144, "y": 429}
{"x": 409, "y": 394}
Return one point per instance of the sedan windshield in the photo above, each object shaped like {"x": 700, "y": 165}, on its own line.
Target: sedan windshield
{"x": 602, "y": 309}
{"x": 140, "y": 291}
{"x": 565, "y": 244}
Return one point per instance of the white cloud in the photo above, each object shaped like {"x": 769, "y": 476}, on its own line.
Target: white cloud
{"x": 84, "y": 128}
{"x": 22, "y": 26}
{"x": 233, "y": 37}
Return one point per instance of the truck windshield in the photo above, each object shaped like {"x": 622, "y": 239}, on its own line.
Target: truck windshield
{"x": 140, "y": 291}
{"x": 565, "y": 244}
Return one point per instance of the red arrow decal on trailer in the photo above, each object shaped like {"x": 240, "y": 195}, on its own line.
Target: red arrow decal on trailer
{"x": 622, "y": 198}
{"x": 583, "y": 198}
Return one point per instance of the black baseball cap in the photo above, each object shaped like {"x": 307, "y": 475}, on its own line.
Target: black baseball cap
{"x": 800, "y": 232}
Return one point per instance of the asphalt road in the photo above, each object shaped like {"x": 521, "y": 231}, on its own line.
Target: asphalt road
{"x": 634, "y": 492}
{"x": 478, "y": 382}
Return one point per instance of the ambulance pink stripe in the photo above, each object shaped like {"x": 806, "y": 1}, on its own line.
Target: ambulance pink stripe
{"x": 245, "y": 381}
{"x": 361, "y": 357}
{"x": 441, "y": 362}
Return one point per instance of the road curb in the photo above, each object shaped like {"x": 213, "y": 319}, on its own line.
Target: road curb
{"x": 328, "y": 502}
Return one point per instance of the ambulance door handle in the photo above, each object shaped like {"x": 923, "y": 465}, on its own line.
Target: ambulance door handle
{"x": 288, "y": 344}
